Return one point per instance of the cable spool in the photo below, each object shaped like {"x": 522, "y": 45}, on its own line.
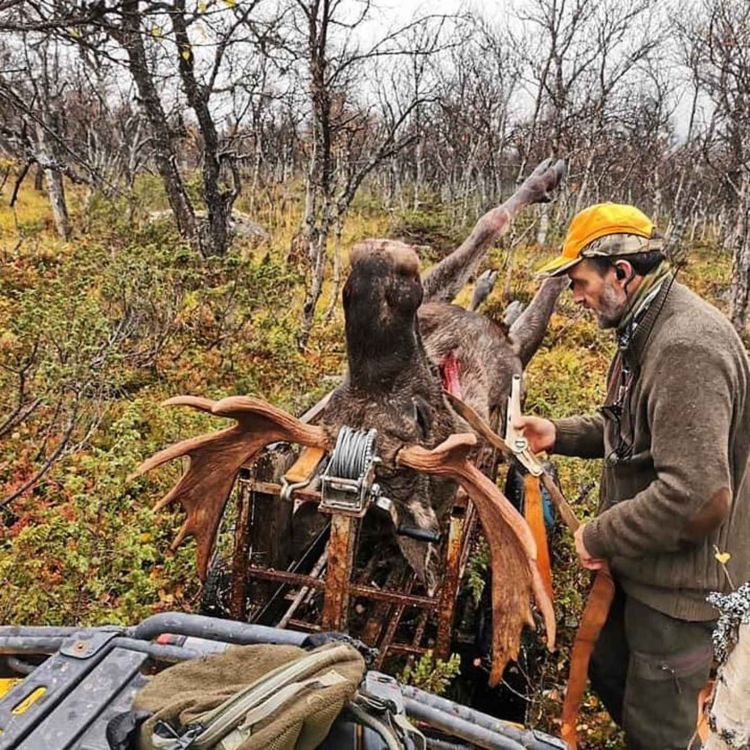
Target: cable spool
{"x": 352, "y": 454}
{"x": 347, "y": 484}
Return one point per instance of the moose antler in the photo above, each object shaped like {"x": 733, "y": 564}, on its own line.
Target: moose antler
{"x": 216, "y": 458}
{"x": 512, "y": 549}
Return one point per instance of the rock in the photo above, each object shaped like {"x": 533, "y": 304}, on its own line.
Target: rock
{"x": 240, "y": 224}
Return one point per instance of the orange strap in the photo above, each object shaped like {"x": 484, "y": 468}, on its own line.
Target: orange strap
{"x": 593, "y": 618}
{"x": 304, "y": 467}
{"x": 704, "y": 703}
{"x": 534, "y": 514}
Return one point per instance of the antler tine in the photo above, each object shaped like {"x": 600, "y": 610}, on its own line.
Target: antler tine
{"x": 244, "y": 408}
{"x": 215, "y": 459}
{"x": 512, "y": 548}
{"x": 197, "y": 402}
{"x": 454, "y": 448}
{"x": 183, "y": 448}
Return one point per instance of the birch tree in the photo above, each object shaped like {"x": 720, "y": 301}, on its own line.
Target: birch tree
{"x": 337, "y": 69}
{"x": 716, "y": 46}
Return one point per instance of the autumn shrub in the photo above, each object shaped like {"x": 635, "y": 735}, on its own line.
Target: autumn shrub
{"x": 431, "y": 674}
{"x": 430, "y": 225}
{"x": 92, "y": 339}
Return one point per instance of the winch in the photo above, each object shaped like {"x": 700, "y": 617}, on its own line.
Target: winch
{"x": 348, "y": 481}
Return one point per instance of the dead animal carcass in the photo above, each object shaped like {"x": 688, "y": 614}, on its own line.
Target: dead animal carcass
{"x": 386, "y": 443}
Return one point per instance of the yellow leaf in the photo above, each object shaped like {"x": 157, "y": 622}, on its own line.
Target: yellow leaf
{"x": 202, "y": 7}
{"x": 156, "y": 31}
{"x": 7, "y": 340}
{"x": 230, "y": 3}
{"x": 723, "y": 557}
{"x": 186, "y": 53}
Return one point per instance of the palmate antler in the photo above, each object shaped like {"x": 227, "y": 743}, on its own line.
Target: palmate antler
{"x": 515, "y": 575}
{"x": 216, "y": 458}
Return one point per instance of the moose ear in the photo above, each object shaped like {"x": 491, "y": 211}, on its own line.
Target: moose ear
{"x": 422, "y": 415}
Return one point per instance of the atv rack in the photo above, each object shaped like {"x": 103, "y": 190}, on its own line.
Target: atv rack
{"x": 91, "y": 675}
{"x": 337, "y": 582}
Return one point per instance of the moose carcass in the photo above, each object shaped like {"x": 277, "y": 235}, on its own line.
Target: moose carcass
{"x": 405, "y": 342}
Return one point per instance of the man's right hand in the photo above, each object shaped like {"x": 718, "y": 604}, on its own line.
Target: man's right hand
{"x": 540, "y": 432}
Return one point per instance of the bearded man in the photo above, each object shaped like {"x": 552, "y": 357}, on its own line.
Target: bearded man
{"x": 674, "y": 433}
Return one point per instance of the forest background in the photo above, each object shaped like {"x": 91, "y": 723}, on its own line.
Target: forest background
{"x": 179, "y": 187}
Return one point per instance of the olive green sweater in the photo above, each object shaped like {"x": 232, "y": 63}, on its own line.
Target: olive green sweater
{"x": 681, "y": 492}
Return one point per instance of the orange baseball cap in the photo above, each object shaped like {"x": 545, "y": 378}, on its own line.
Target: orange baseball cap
{"x": 595, "y": 222}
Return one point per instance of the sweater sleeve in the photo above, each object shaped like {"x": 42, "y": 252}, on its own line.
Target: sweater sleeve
{"x": 690, "y": 404}
{"x": 580, "y": 436}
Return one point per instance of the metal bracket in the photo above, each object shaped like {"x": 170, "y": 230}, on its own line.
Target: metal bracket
{"x": 89, "y": 644}
{"x": 302, "y": 472}
{"x": 514, "y": 438}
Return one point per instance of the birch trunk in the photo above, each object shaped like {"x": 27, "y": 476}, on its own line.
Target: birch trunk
{"x": 543, "y": 226}
{"x": 739, "y": 285}
{"x": 130, "y": 36}
{"x": 55, "y": 188}
{"x": 730, "y": 712}
{"x": 337, "y": 267}
{"x": 317, "y": 257}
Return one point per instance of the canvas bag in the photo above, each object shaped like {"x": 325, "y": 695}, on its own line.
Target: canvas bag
{"x": 260, "y": 697}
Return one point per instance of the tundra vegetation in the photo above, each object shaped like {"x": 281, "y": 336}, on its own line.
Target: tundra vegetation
{"x": 179, "y": 189}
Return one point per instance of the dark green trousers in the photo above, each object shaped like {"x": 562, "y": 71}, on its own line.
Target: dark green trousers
{"x": 647, "y": 669}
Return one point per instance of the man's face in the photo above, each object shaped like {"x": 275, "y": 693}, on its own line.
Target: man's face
{"x": 604, "y": 294}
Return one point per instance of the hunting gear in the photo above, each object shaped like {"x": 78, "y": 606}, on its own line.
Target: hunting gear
{"x": 250, "y": 698}
{"x": 177, "y": 681}
{"x": 674, "y": 493}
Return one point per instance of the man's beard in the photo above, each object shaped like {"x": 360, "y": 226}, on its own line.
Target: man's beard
{"x": 610, "y": 309}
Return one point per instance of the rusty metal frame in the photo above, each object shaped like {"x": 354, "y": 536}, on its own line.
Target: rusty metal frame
{"x": 337, "y": 582}
{"x": 341, "y": 544}
{"x": 238, "y": 589}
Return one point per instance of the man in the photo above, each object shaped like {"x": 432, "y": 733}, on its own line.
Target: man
{"x": 674, "y": 513}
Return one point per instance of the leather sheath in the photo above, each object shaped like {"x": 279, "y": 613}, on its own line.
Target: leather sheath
{"x": 592, "y": 620}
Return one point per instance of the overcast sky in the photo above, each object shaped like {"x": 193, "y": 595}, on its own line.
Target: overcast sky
{"x": 402, "y": 10}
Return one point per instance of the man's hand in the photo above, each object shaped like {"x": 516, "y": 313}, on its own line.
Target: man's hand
{"x": 539, "y": 432}
{"x": 587, "y": 561}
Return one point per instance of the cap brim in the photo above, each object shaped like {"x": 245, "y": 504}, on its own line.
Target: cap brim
{"x": 558, "y": 266}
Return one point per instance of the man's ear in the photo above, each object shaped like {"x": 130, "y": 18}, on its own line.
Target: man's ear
{"x": 624, "y": 272}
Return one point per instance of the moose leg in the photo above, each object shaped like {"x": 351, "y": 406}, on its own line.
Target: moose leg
{"x": 529, "y": 328}
{"x": 443, "y": 282}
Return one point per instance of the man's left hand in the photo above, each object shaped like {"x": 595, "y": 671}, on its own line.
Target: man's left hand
{"x": 587, "y": 561}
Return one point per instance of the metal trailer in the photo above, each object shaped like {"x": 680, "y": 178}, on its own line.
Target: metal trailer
{"x": 250, "y": 582}
{"x": 74, "y": 681}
